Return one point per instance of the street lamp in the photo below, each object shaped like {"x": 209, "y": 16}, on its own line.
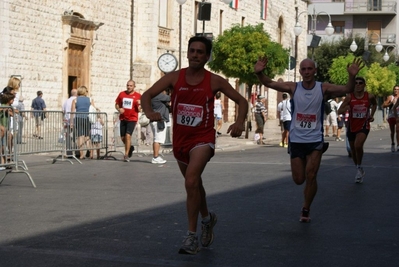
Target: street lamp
{"x": 298, "y": 29}
{"x": 378, "y": 46}
{"x": 386, "y": 55}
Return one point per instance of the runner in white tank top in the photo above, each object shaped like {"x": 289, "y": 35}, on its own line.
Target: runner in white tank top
{"x": 306, "y": 132}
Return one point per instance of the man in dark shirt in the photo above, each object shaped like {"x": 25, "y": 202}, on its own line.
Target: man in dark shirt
{"x": 38, "y": 104}
{"x": 159, "y": 104}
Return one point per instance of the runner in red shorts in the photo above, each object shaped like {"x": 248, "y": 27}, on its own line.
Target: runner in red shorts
{"x": 194, "y": 135}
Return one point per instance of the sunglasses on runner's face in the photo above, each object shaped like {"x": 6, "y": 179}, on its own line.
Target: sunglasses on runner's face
{"x": 359, "y": 82}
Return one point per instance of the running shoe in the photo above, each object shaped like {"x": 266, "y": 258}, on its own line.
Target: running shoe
{"x": 130, "y": 151}
{"x": 158, "y": 160}
{"x": 393, "y": 147}
{"x": 359, "y": 176}
{"x": 305, "y": 218}
{"x": 190, "y": 245}
{"x": 285, "y": 145}
{"x": 281, "y": 144}
{"x": 207, "y": 230}
{"x": 126, "y": 159}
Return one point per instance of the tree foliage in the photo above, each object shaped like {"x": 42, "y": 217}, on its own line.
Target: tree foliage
{"x": 338, "y": 71}
{"x": 380, "y": 80}
{"x": 395, "y": 69}
{"x": 235, "y": 52}
{"x": 326, "y": 52}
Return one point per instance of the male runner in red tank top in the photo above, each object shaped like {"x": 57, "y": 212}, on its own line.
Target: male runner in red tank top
{"x": 194, "y": 135}
{"x": 359, "y": 104}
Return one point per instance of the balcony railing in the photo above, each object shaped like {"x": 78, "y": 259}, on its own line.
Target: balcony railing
{"x": 164, "y": 37}
{"x": 374, "y": 6}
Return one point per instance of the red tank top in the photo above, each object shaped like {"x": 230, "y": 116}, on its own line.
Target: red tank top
{"x": 359, "y": 113}
{"x": 192, "y": 110}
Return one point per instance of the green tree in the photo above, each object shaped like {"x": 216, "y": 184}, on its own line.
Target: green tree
{"x": 235, "y": 52}
{"x": 392, "y": 67}
{"x": 380, "y": 80}
{"x": 338, "y": 72}
{"x": 327, "y": 51}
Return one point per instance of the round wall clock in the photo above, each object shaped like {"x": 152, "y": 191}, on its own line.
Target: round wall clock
{"x": 167, "y": 62}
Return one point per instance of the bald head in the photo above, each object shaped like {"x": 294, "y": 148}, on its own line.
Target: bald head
{"x": 74, "y": 92}
{"x": 307, "y": 62}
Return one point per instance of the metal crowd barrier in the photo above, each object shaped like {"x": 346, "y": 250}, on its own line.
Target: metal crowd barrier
{"x": 83, "y": 135}
{"x": 36, "y": 132}
{"x": 10, "y": 122}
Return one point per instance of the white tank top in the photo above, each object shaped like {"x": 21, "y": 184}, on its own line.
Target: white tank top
{"x": 307, "y": 114}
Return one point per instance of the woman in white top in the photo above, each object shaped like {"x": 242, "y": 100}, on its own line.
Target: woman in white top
{"x": 218, "y": 111}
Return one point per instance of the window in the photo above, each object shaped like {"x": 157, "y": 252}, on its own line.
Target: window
{"x": 339, "y": 27}
{"x": 163, "y": 13}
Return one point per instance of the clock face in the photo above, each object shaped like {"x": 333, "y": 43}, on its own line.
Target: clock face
{"x": 167, "y": 63}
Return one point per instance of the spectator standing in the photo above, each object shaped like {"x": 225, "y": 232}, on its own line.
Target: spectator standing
{"x": 159, "y": 104}
{"x": 362, "y": 107}
{"x": 79, "y": 119}
{"x": 284, "y": 108}
{"x": 96, "y": 136}
{"x": 389, "y": 103}
{"x": 306, "y": 142}
{"x": 218, "y": 113}
{"x": 13, "y": 87}
{"x": 6, "y": 114}
{"x": 146, "y": 134}
{"x": 340, "y": 120}
{"x": 194, "y": 134}
{"x": 39, "y": 106}
{"x": 128, "y": 105}
{"x": 66, "y": 110}
{"x": 331, "y": 119}
{"x": 21, "y": 117}
{"x": 260, "y": 117}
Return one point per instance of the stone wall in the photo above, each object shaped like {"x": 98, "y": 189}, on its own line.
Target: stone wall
{"x": 34, "y": 41}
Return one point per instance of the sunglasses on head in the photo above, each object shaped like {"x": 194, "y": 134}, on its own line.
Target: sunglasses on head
{"x": 359, "y": 82}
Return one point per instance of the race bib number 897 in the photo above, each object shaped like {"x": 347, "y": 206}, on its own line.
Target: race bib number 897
{"x": 189, "y": 115}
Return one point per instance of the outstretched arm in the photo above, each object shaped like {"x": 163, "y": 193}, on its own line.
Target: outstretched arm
{"x": 260, "y": 66}
{"x": 162, "y": 84}
{"x": 338, "y": 90}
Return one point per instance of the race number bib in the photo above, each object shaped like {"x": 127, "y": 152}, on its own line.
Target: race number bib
{"x": 127, "y": 103}
{"x": 305, "y": 121}
{"x": 359, "y": 112}
{"x": 189, "y": 115}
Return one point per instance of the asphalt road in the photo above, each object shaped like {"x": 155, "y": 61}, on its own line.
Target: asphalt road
{"x": 113, "y": 213}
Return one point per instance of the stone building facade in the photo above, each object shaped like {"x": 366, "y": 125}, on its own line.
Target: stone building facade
{"x": 58, "y": 45}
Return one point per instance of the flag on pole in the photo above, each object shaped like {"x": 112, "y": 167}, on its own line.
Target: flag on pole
{"x": 263, "y": 9}
{"x": 234, "y": 4}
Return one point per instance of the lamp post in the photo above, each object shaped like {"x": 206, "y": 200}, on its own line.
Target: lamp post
{"x": 298, "y": 29}
{"x": 378, "y": 46}
{"x": 386, "y": 55}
